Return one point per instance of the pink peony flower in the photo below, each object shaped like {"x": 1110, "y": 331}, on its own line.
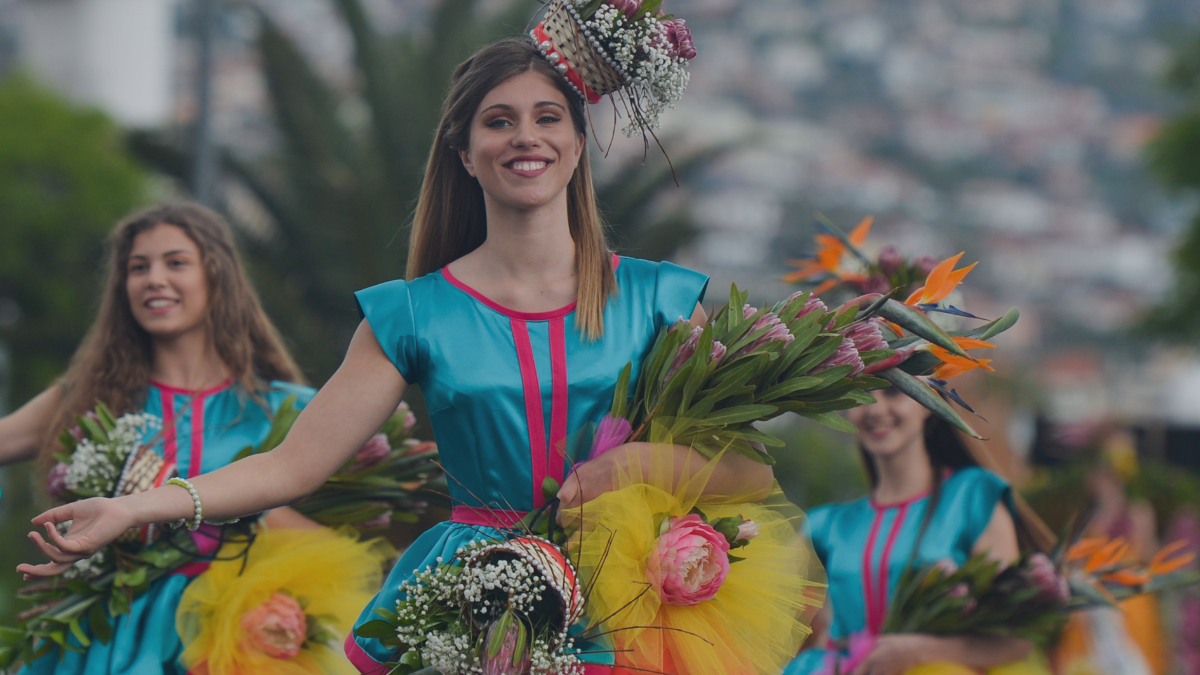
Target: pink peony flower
{"x": 689, "y": 563}
{"x": 890, "y": 261}
{"x": 629, "y": 7}
{"x": 846, "y": 355}
{"x": 277, "y": 627}
{"x": 747, "y": 530}
{"x": 866, "y": 336}
{"x": 611, "y": 432}
{"x": 56, "y": 481}
{"x": 372, "y": 454}
{"x": 410, "y": 420}
{"x": 679, "y": 39}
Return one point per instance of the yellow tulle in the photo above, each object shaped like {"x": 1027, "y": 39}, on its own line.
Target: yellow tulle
{"x": 1034, "y": 665}
{"x": 334, "y": 574}
{"x": 759, "y": 617}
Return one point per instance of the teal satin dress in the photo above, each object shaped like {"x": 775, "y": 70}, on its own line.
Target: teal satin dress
{"x": 202, "y": 432}
{"x": 866, "y": 547}
{"x": 511, "y": 395}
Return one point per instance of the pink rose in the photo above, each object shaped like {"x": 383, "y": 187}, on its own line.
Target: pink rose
{"x": 689, "y": 563}
{"x": 372, "y": 454}
{"x": 277, "y": 627}
{"x": 747, "y": 530}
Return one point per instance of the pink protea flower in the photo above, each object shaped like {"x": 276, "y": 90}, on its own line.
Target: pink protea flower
{"x": 866, "y": 336}
{"x": 410, "y": 420}
{"x": 76, "y": 432}
{"x": 629, "y": 7}
{"x": 56, "y": 481}
{"x": 277, "y": 627}
{"x": 946, "y": 566}
{"x": 372, "y": 454}
{"x": 1053, "y": 587}
{"x": 688, "y": 349}
{"x": 813, "y": 304}
{"x": 959, "y": 591}
{"x": 679, "y": 38}
{"x": 414, "y": 447}
{"x": 503, "y": 662}
{"x": 748, "y": 530}
{"x": 846, "y": 355}
{"x": 689, "y": 563}
{"x": 926, "y": 264}
{"x": 611, "y": 432}
{"x": 890, "y": 261}
{"x": 876, "y": 283}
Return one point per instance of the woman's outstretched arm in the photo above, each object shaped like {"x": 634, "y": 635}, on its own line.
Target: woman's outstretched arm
{"x": 355, "y": 402}
{"x": 23, "y": 430}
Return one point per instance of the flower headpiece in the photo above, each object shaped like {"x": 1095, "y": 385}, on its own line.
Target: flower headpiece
{"x": 619, "y": 47}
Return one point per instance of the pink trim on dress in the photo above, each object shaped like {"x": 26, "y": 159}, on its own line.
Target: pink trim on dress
{"x": 510, "y": 313}
{"x": 868, "y": 553}
{"x": 884, "y": 569}
{"x": 191, "y": 392}
{"x": 904, "y": 503}
{"x": 558, "y": 404}
{"x": 481, "y": 517}
{"x": 360, "y": 659}
{"x": 534, "y": 418}
{"x": 196, "y": 459}
{"x": 170, "y": 444}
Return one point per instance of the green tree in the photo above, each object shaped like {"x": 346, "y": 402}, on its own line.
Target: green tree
{"x": 64, "y": 181}
{"x": 342, "y": 188}
{"x": 1173, "y": 156}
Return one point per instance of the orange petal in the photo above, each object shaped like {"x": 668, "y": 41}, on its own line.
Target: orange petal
{"x": 858, "y": 236}
{"x": 1166, "y": 551}
{"x": 1176, "y": 563}
{"x": 1085, "y": 548}
{"x": 895, "y": 329}
{"x": 946, "y": 357}
{"x": 947, "y": 371}
{"x": 947, "y": 287}
{"x": 1112, "y": 553}
{"x": 915, "y": 297}
{"x": 825, "y": 285}
{"x": 939, "y": 274}
{"x": 1127, "y": 577}
{"x": 972, "y": 343}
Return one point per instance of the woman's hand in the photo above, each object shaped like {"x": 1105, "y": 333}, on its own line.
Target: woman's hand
{"x": 896, "y": 654}
{"x": 592, "y": 478}
{"x": 94, "y": 523}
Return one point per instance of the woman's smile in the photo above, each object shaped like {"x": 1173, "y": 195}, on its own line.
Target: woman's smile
{"x": 530, "y": 166}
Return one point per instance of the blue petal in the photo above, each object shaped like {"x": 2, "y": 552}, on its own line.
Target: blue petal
{"x": 952, "y": 394}
{"x": 949, "y": 309}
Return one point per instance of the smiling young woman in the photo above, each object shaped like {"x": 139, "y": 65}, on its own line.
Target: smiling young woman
{"x": 515, "y": 320}
{"x": 180, "y": 335}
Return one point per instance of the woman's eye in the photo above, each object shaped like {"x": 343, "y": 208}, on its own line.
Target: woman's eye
{"x": 133, "y": 269}
{"x": 549, "y": 119}
{"x": 176, "y": 263}
{"x": 497, "y": 123}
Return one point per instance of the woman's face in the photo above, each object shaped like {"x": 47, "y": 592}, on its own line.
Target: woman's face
{"x": 890, "y": 425}
{"x": 166, "y": 284}
{"x": 524, "y": 148}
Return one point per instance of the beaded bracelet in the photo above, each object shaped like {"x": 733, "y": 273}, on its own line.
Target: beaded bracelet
{"x": 199, "y": 514}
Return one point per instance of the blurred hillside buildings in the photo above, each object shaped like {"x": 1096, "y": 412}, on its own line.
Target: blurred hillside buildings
{"x": 1009, "y": 129}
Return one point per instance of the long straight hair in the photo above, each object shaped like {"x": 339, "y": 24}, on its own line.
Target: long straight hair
{"x": 114, "y": 361}
{"x": 451, "y": 220}
{"x": 948, "y": 453}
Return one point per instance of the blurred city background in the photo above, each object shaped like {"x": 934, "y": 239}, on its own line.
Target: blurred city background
{"x": 1055, "y": 141}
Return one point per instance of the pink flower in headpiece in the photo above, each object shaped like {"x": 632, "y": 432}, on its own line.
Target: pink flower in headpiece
{"x": 846, "y": 355}
{"x": 866, "y": 336}
{"x": 679, "y": 38}
{"x": 277, "y": 627}
{"x": 689, "y": 563}
{"x": 629, "y": 7}
{"x": 890, "y": 261}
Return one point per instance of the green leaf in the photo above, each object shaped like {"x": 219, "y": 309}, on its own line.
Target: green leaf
{"x": 788, "y": 387}
{"x": 923, "y": 394}
{"x": 621, "y": 393}
{"x": 738, "y": 414}
{"x": 77, "y": 631}
{"x": 833, "y": 421}
{"x": 94, "y": 431}
{"x": 915, "y": 321}
{"x": 376, "y": 629}
{"x": 98, "y": 623}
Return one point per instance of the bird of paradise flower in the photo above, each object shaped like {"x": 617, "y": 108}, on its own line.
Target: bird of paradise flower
{"x": 1099, "y": 570}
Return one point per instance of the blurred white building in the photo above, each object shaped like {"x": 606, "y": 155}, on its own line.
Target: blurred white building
{"x": 117, "y": 55}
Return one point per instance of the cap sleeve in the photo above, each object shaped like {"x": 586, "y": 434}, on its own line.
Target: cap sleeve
{"x": 676, "y": 293}
{"x": 982, "y": 490}
{"x": 816, "y": 526}
{"x": 388, "y": 310}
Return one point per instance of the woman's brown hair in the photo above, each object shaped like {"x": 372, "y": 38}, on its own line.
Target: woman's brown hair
{"x": 451, "y": 220}
{"x": 113, "y": 363}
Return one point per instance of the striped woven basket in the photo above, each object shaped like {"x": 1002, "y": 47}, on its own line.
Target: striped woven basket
{"x": 584, "y": 52}
{"x": 144, "y": 470}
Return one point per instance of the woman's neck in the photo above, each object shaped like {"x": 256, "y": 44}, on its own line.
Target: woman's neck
{"x": 188, "y": 361}
{"x": 903, "y": 476}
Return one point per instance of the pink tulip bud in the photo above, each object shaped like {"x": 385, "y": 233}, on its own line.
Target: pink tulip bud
{"x": 747, "y": 530}
{"x": 372, "y": 454}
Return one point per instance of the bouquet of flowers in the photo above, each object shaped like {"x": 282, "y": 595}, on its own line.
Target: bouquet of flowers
{"x": 1030, "y": 599}
{"x": 378, "y": 485}
{"x": 499, "y": 606}
{"x": 840, "y": 262}
{"x": 625, "y": 47}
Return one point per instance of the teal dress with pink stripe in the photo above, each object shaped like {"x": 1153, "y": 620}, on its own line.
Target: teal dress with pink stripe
{"x": 202, "y": 431}
{"x": 512, "y": 395}
{"x": 866, "y": 547}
